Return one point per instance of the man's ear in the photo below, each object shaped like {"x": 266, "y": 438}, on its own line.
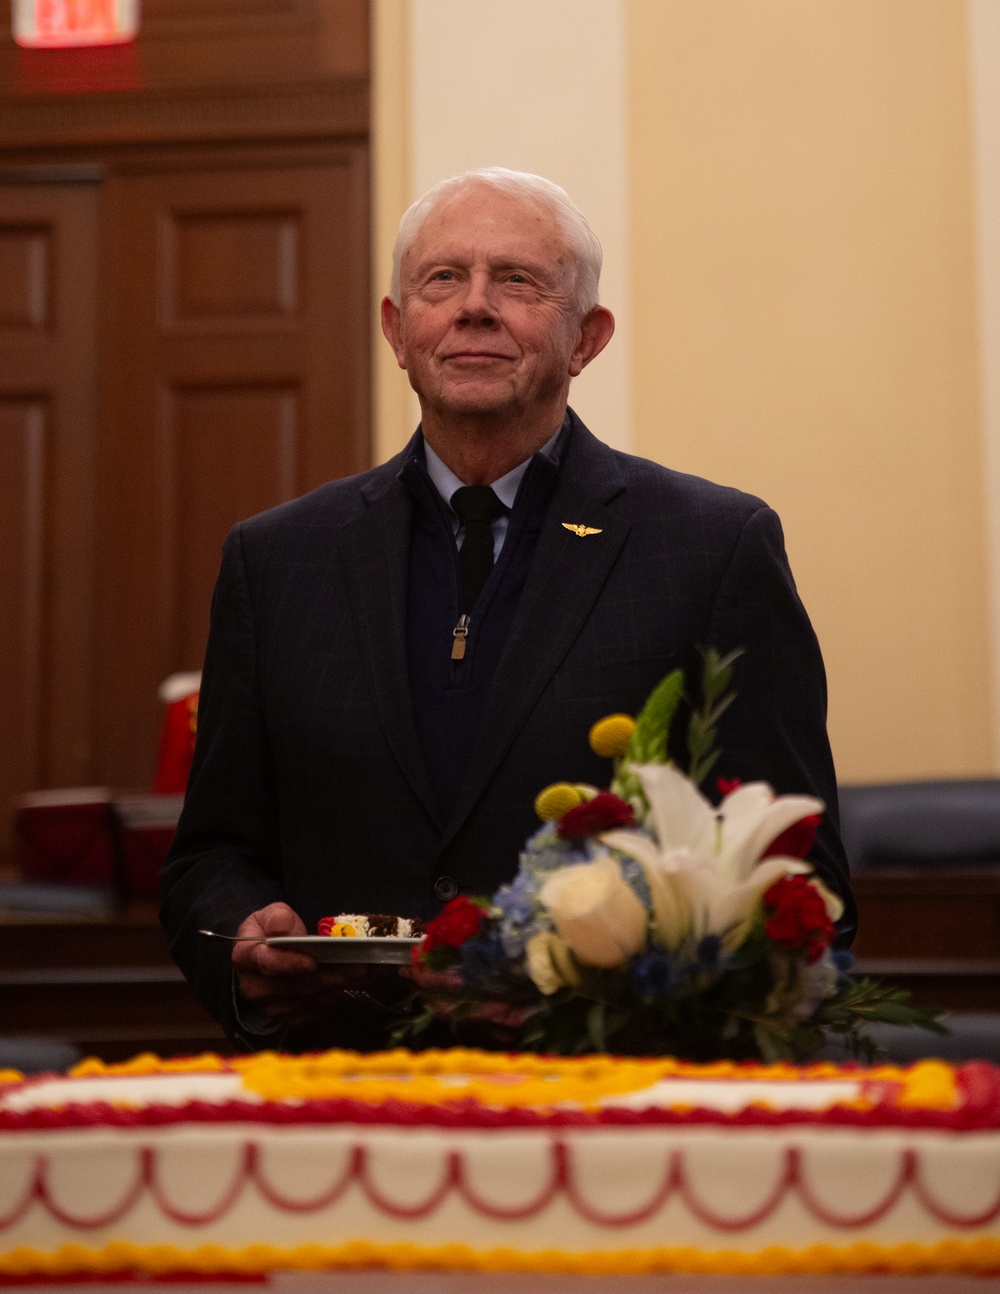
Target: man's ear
{"x": 596, "y": 329}
{"x": 392, "y": 328}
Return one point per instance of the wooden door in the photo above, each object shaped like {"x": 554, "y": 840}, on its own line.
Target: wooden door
{"x": 48, "y": 329}
{"x": 235, "y": 376}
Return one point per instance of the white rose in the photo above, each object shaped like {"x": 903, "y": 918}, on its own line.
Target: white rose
{"x": 596, "y": 912}
{"x": 549, "y": 963}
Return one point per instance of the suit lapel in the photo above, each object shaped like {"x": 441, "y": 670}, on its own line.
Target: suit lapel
{"x": 375, "y": 557}
{"x": 568, "y": 572}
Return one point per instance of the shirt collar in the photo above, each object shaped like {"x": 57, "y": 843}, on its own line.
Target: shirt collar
{"x": 446, "y": 482}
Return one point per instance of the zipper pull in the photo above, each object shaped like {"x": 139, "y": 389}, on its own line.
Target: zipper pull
{"x": 459, "y": 633}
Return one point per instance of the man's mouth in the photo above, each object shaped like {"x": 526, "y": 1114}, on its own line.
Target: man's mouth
{"x": 477, "y": 356}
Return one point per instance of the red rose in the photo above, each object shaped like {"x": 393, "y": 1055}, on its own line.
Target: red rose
{"x": 797, "y": 917}
{"x": 460, "y": 919}
{"x": 784, "y": 928}
{"x": 602, "y": 813}
{"x": 795, "y": 841}
{"x": 727, "y": 785}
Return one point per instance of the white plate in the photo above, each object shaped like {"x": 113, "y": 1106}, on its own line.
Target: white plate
{"x": 326, "y": 948}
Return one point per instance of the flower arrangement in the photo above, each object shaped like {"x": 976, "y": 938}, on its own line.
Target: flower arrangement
{"x": 646, "y": 919}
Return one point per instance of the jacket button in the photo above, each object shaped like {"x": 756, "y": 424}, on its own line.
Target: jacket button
{"x": 445, "y": 888}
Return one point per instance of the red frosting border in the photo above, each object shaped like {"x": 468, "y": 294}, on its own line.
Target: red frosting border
{"x": 978, "y": 1082}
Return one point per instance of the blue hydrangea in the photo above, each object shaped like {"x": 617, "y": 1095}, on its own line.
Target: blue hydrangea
{"x": 516, "y": 901}
{"x": 654, "y": 974}
{"x": 546, "y": 851}
{"x": 519, "y": 911}
{"x": 483, "y": 962}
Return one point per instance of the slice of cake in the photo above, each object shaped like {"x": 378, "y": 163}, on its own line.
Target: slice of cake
{"x": 370, "y": 925}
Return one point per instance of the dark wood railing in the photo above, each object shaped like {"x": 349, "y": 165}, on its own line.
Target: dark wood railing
{"x": 109, "y": 987}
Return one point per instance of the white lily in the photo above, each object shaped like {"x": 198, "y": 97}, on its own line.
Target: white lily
{"x": 705, "y": 868}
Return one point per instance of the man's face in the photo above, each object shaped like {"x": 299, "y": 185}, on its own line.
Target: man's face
{"x": 487, "y": 323}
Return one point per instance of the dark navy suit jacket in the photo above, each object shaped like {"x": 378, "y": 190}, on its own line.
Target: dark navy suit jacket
{"x": 309, "y": 783}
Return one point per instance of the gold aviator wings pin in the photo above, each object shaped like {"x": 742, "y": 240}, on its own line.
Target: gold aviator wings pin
{"x": 582, "y": 531}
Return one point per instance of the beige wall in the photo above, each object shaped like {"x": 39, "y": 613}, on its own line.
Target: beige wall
{"x": 804, "y": 327}
{"x": 984, "y": 49}
{"x": 800, "y": 305}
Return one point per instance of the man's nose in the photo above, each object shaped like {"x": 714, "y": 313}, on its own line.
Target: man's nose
{"x": 479, "y": 305}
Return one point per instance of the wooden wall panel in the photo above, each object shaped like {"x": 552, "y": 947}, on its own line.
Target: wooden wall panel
{"x": 184, "y": 336}
{"x": 238, "y": 319}
{"x": 234, "y": 270}
{"x": 22, "y": 565}
{"x": 48, "y": 326}
{"x": 25, "y": 277}
{"x": 254, "y": 431}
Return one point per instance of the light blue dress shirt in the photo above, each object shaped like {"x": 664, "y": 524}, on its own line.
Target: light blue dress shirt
{"x": 505, "y": 488}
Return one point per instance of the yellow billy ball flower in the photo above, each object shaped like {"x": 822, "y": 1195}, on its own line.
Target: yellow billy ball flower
{"x": 556, "y": 800}
{"x": 609, "y": 736}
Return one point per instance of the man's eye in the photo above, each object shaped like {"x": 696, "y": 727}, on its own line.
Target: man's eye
{"x": 443, "y": 276}
{"x": 516, "y": 278}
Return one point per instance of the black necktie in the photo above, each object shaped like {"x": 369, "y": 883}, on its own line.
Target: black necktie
{"x": 477, "y": 507}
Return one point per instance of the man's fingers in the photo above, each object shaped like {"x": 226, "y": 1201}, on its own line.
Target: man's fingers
{"x": 279, "y": 919}
{"x": 258, "y": 958}
{"x": 275, "y": 919}
{"x": 261, "y": 959}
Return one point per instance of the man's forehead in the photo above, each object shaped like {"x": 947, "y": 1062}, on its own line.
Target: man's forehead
{"x": 501, "y": 228}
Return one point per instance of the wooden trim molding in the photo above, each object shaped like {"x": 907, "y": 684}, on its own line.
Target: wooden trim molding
{"x": 322, "y": 109}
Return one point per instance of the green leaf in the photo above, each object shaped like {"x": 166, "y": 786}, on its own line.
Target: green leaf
{"x": 717, "y": 672}
{"x": 648, "y": 743}
{"x": 901, "y": 1013}
{"x": 716, "y": 675}
{"x": 649, "y": 740}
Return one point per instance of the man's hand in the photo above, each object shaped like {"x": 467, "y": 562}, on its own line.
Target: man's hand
{"x": 288, "y": 987}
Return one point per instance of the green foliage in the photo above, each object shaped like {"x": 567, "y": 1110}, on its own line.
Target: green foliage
{"x": 716, "y": 675}
{"x": 648, "y": 743}
{"x": 733, "y": 1013}
{"x": 866, "y": 1001}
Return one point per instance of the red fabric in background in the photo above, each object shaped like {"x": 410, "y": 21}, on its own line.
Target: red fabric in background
{"x": 66, "y": 844}
{"x": 144, "y": 851}
{"x": 176, "y": 746}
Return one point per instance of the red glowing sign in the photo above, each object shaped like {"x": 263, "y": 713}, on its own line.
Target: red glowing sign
{"x": 54, "y": 24}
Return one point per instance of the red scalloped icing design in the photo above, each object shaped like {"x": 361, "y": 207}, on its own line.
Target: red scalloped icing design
{"x": 563, "y": 1180}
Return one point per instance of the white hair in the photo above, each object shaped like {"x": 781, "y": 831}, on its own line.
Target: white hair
{"x": 522, "y": 184}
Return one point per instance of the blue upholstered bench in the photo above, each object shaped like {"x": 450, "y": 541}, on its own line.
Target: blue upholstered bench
{"x": 922, "y": 824}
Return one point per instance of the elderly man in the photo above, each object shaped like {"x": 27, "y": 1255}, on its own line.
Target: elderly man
{"x": 398, "y": 662}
